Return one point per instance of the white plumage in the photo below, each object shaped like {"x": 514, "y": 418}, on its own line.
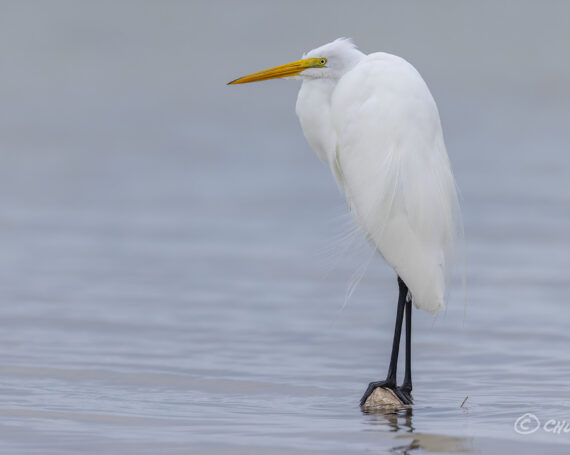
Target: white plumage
{"x": 374, "y": 121}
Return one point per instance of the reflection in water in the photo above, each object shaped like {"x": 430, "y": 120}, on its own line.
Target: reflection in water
{"x": 401, "y": 421}
{"x": 395, "y": 419}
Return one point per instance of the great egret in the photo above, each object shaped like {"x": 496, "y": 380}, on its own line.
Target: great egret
{"x": 373, "y": 120}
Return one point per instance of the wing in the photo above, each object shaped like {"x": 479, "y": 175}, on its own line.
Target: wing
{"x": 396, "y": 171}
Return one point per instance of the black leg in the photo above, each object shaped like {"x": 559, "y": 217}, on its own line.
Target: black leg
{"x": 390, "y": 382}
{"x": 393, "y": 367}
{"x": 406, "y": 388}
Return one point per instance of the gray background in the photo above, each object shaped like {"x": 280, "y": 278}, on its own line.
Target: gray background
{"x": 174, "y": 257}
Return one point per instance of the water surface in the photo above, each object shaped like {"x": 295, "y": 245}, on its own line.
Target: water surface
{"x": 174, "y": 258}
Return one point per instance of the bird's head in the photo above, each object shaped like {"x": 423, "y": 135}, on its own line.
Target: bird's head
{"x": 329, "y": 61}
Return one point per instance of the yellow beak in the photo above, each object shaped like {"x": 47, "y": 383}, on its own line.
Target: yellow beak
{"x": 289, "y": 69}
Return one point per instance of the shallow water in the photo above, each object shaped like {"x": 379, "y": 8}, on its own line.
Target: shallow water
{"x": 174, "y": 258}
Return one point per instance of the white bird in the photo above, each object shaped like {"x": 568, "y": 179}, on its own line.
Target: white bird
{"x": 373, "y": 120}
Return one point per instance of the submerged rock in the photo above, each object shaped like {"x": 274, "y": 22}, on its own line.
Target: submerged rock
{"x": 383, "y": 398}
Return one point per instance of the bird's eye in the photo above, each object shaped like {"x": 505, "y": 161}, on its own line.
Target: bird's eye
{"x": 323, "y": 61}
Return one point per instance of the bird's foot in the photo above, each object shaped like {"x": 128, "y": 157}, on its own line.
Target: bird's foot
{"x": 403, "y": 393}
{"x": 387, "y": 384}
